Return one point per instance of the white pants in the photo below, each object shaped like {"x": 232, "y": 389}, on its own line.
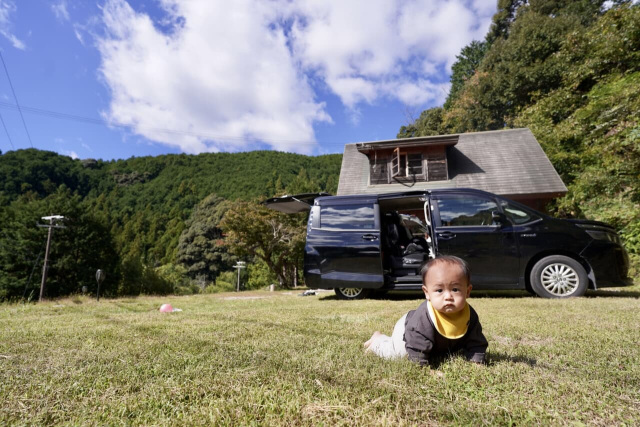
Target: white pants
{"x": 391, "y": 347}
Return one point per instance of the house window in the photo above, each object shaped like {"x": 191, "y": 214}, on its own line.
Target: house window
{"x": 414, "y": 164}
{"x": 403, "y": 164}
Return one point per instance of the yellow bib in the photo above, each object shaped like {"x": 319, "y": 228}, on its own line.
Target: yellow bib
{"x": 453, "y": 325}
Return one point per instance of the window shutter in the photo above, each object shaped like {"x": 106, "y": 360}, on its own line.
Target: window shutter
{"x": 395, "y": 163}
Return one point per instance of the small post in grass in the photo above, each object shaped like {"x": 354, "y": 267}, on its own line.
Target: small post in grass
{"x": 239, "y": 265}
{"x": 100, "y": 275}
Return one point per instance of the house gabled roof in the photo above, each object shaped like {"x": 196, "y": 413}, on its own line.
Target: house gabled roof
{"x": 505, "y": 162}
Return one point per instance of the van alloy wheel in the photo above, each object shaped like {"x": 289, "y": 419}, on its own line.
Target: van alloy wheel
{"x": 559, "y": 279}
{"x": 559, "y": 276}
{"x": 351, "y": 293}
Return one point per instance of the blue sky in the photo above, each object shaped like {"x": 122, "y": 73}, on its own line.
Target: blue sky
{"x": 114, "y": 79}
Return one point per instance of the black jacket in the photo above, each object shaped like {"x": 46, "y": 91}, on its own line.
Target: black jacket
{"x": 422, "y": 339}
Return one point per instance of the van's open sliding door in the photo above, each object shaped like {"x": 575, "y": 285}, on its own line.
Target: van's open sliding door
{"x": 343, "y": 247}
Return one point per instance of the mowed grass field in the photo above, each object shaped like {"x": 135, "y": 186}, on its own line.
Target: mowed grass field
{"x": 281, "y": 359}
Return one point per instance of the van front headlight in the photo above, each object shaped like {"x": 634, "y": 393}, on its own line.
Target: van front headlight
{"x": 604, "y": 235}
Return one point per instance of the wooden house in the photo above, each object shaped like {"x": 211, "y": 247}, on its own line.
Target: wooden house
{"x": 509, "y": 163}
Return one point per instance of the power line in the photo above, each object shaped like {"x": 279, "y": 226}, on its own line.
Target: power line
{"x": 102, "y": 122}
{"x": 16, "y": 98}
{"x": 7, "y": 131}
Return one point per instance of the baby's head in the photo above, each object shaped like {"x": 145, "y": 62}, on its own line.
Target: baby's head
{"x": 446, "y": 283}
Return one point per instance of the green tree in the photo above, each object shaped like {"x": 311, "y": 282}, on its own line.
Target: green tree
{"x": 302, "y": 184}
{"x": 503, "y": 18}
{"x": 429, "y": 123}
{"x": 201, "y": 246}
{"x": 467, "y": 62}
{"x": 21, "y": 251}
{"x": 76, "y": 252}
{"x": 259, "y": 275}
{"x": 277, "y": 239}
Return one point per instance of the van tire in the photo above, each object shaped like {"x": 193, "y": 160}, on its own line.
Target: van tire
{"x": 352, "y": 293}
{"x": 558, "y": 276}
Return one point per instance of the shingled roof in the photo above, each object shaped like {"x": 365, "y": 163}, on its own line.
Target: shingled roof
{"x": 510, "y": 163}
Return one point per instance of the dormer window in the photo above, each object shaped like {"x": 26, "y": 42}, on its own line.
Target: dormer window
{"x": 409, "y": 160}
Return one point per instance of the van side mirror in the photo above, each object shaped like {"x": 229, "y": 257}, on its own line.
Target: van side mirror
{"x": 500, "y": 218}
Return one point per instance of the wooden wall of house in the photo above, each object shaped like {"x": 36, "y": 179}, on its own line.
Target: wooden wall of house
{"x": 537, "y": 203}
{"x": 437, "y": 169}
{"x": 434, "y": 162}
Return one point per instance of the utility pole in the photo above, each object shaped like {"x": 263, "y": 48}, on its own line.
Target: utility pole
{"x": 52, "y": 224}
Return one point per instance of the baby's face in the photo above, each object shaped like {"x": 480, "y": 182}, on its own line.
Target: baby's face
{"x": 447, "y": 288}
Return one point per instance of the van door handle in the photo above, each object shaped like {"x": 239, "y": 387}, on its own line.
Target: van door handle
{"x": 370, "y": 237}
{"x": 446, "y": 235}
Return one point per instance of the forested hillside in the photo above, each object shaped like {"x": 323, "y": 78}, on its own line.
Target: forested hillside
{"x": 127, "y": 216}
{"x": 569, "y": 71}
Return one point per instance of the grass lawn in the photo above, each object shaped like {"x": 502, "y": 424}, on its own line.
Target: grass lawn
{"x": 278, "y": 358}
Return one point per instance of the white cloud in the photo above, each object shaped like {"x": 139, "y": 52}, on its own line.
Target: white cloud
{"x": 221, "y": 78}
{"x": 223, "y": 73}
{"x": 7, "y": 8}
{"x": 77, "y": 31}
{"x": 60, "y": 10}
{"x": 419, "y": 92}
{"x": 376, "y": 43}
{"x": 484, "y": 8}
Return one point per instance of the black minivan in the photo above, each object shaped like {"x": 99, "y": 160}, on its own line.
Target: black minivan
{"x": 366, "y": 243}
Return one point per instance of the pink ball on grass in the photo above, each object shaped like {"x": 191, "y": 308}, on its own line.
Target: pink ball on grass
{"x": 166, "y": 308}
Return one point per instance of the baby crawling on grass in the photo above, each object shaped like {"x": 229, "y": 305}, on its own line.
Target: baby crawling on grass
{"x": 442, "y": 325}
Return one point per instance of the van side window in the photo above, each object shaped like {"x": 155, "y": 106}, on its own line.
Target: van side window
{"x": 347, "y": 217}
{"x": 465, "y": 211}
{"x": 516, "y": 214}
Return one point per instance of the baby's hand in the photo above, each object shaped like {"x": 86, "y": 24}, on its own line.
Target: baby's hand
{"x": 438, "y": 374}
{"x": 367, "y": 344}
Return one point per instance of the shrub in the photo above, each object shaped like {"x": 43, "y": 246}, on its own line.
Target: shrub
{"x": 260, "y": 275}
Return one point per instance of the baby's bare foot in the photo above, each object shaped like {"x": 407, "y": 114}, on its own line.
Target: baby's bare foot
{"x": 368, "y": 343}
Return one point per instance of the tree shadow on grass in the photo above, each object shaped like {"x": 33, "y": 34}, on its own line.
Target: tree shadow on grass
{"x": 615, "y": 293}
{"x": 495, "y": 358}
{"x": 391, "y": 296}
{"x": 501, "y": 294}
